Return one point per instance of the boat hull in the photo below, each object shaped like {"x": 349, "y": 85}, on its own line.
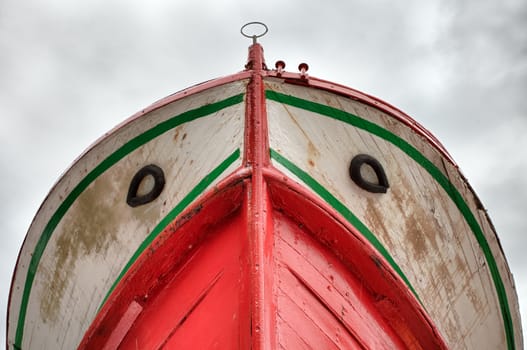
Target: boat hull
{"x": 329, "y": 288}
{"x": 264, "y": 210}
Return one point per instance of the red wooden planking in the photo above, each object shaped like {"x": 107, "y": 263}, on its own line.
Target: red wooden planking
{"x": 308, "y": 330}
{"x": 311, "y": 275}
{"x": 392, "y": 298}
{"x": 296, "y": 276}
{"x": 123, "y": 326}
{"x": 289, "y": 338}
{"x": 199, "y": 307}
{"x": 170, "y": 253}
{"x": 320, "y": 284}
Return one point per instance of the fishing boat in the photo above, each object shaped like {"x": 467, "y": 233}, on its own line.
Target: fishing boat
{"x": 267, "y": 209}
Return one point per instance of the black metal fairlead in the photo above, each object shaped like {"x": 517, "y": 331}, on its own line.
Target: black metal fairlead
{"x": 355, "y": 173}
{"x": 135, "y": 200}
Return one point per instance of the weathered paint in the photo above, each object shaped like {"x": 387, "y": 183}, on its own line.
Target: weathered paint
{"x": 270, "y": 272}
{"x": 198, "y": 275}
{"x": 423, "y": 225}
{"x": 263, "y": 306}
{"x": 259, "y": 238}
{"x": 82, "y": 238}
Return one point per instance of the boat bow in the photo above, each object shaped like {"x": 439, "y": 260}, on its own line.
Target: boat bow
{"x": 263, "y": 210}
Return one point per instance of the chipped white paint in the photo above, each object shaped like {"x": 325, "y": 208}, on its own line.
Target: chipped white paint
{"x": 416, "y": 221}
{"x": 99, "y": 232}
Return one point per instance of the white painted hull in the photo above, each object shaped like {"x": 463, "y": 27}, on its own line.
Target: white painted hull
{"x": 417, "y": 221}
{"x": 426, "y": 226}
{"x": 98, "y": 233}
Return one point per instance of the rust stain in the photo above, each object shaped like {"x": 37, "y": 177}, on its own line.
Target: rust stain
{"x": 179, "y": 135}
{"x": 444, "y": 277}
{"x": 89, "y": 228}
{"x": 421, "y": 226}
{"x": 312, "y": 152}
{"x": 399, "y": 192}
{"x": 463, "y": 273}
{"x": 422, "y": 229}
{"x": 176, "y": 133}
{"x": 376, "y": 220}
{"x": 461, "y": 268}
{"x": 476, "y": 301}
{"x": 416, "y": 236}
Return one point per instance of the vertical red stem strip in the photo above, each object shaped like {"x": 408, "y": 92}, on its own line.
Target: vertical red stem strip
{"x": 259, "y": 229}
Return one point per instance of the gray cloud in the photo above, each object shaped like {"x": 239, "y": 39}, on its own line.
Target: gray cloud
{"x": 71, "y": 70}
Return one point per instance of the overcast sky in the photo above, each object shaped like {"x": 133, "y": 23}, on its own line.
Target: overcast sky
{"x": 71, "y": 70}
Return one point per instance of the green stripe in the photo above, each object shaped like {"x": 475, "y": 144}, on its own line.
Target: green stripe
{"x": 441, "y": 179}
{"x": 124, "y": 150}
{"x": 344, "y": 211}
{"x": 189, "y": 198}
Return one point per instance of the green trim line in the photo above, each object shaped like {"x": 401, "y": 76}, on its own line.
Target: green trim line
{"x": 112, "y": 159}
{"x": 344, "y": 211}
{"x": 171, "y": 216}
{"x": 441, "y": 179}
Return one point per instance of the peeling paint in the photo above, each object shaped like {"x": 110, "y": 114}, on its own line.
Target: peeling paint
{"x": 425, "y": 220}
{"x": 90, "y": 232}
{"x": 89, "y": 229}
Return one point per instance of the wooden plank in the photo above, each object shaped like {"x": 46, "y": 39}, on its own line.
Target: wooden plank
{"x": 95, "y": 232}
{"x": 417, "y": 221}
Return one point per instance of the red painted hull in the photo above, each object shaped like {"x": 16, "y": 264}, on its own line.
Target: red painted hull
{"x": 261, "y": 263}
{"x": 323, "y": 286}
{"x": 263, "y": 210}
